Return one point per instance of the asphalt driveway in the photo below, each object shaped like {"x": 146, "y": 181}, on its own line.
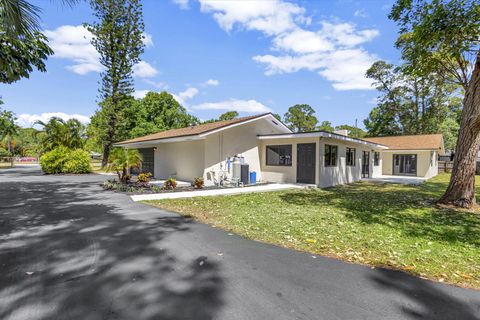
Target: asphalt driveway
{"x": 69, "y": 250}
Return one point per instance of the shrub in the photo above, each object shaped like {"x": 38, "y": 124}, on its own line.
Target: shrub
{"x": 64, "y": 160}
{"x": 4, "y": 152}
{"x": 78, "y": 161}
{"x": 144, "y": 177}
{"x": 170, "y": 184}
{"x": 53, "y": 161}
{"x": 156, "y": 189}
{"x": 198, "y": 183}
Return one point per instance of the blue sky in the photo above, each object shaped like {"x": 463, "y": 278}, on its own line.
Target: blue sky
{"x": 215, "y": 56}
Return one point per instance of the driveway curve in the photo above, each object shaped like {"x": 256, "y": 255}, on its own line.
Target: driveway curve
{"x": 69, "y": 250}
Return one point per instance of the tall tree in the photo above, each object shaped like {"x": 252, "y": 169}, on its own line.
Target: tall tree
{"x": 325, "y": 126}
{"x": 8, "y": 129}
{"x": 153, "y": 113}
{"x": 301, "y": 118}
{"x": 352, "y": 131}
{"x": 117, "y": 36}
{"x": 229, "y": 115}
{"x": 444, "y": 36}
{"x": 411, "y": 103}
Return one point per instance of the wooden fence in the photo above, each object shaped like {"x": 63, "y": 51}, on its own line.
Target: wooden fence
{"x": 445, "y": 166}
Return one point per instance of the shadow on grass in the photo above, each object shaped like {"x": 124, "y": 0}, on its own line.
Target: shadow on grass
{"x": 64, "y": 254}
{"x": 426, "y": 299}
{"x": 410, "y": 209}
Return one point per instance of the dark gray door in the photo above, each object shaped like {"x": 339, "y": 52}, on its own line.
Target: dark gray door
{"x": 306, "y": 163}
{"x": 148, "y": 163}
{"x": 366, "y": 164}
{"x": 405, "y": 164}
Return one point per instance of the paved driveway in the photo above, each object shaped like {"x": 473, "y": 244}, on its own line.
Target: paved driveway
{"x": 69, "y": 250}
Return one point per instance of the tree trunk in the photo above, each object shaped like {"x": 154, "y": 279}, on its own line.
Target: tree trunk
{"x": 106, "y": 153}
{"x": 461, "y": 190}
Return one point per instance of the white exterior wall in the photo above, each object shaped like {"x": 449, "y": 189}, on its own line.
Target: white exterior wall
{"x": 324, "y": 176}
{"x": 240, "y": 140}
{"x": 285, "y": 174}
{"x": 180, "y": 160}
{"x": 426, "y": 168}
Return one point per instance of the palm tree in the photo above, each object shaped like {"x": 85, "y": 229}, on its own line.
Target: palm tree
{"x": 121, "y": 160}
{"x": 8, "y": 130}
{"x": 20, "y": 17}
{"x": 58, "y": 132}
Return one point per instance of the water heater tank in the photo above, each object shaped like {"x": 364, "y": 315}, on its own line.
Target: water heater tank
{"x": 236, "y": 169}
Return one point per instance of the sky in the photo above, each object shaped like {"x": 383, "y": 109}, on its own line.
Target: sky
{"x": 215, "y": 56}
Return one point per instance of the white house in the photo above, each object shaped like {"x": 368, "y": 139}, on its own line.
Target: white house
{"x": 271, "y": 150}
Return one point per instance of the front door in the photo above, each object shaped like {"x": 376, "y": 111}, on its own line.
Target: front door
{"x": 366, "y": 164}
{"x": 306, "y": 163}
{"x": 405, "y": 164}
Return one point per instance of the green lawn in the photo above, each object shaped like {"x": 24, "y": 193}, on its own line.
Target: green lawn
{"x": 397, "y": 226}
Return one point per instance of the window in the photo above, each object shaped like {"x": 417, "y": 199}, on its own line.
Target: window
{"x": 330, "y": 155}
{"x": 279, "y": 155}
{"x": 376, "y": 159}
{"x": 351, "y": 157}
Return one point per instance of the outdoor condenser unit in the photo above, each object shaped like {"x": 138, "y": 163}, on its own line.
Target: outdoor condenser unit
{"x": 244, "y": 172}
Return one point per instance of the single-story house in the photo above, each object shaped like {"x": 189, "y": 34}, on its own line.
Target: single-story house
{"x": 273, "y": 152}
{"x": 415, "y": 155}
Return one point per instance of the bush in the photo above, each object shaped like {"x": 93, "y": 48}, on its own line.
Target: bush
{"x": 170, "y": 184}
{"x": 64, "y": 160}
{"x": 78, "y": 161}
{"x": 198, "y": 183}
{"x": 144, "y": 177}
{"x": 4, "y": 152}
{"x": 53, "y": 161}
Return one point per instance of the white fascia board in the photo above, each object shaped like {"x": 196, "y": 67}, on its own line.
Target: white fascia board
{"x": 278, "y": 123}
{"x": 146, "y": 144}
{"x": 321, "y": 135}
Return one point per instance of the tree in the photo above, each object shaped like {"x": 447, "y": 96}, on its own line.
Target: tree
{"x": 443, "y": 36}
{"x": 8, "y": 130}
{"x": 229, "y": 115}
{"x": 23, "y": 46}
{"x": 59, "y": 133}
{"x": 325, "y": 126}
{"x": 411, "y": 103}
{"x": 122, "y": 160}
{"x": 301, "y": 118}
{"x": 153, "y": 113}
{"x": 352, "y": 131}
{"x": 117, "y": 36}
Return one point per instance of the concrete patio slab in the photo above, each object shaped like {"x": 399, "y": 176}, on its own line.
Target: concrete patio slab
{"x": 217, "y": 192}
{"x": 397, "y": 179}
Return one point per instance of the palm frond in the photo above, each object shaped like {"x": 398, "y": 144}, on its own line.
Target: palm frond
{"x": 19, "y": 17}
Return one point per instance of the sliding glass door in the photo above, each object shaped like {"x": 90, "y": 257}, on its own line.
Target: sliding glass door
{"x": 405, "y": 164}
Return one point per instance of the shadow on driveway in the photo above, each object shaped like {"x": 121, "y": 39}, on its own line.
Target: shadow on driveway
{"x": 66, "y": 255}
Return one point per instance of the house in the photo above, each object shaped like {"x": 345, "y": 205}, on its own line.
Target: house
{"x": 415, "y": 155}
{"x": 270, "y": 149}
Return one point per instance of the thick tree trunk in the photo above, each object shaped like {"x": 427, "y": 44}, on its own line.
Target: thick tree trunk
{"x": 106, "y": 153}
{"x": 461, "y": 190}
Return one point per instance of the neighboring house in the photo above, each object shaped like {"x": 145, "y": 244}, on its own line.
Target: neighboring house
{"x": 267, "y": 145}
{"x": 415, "y": 155}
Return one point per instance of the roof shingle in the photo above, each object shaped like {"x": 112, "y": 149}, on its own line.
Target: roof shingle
{"x": 417, "y": 142}
{"x": 190, "y": 131}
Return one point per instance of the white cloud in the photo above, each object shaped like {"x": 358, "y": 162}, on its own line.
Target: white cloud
{"x": 186, "y": 95}
{"x": 249, "y": 106}
{"x": 73, "y": 43}
{"x": 360, "y": 13}
{"x": 333, "y": 50}
{"x": 26, "y": 120}
{"x": 144, "y": 70}
{"x": 211, "y": 82}
{"x": 183, "y": 4}
{"x": 157, "y": 84}
{"x": 270, "y": 17}
{"x": 147, "y": 40}
{"x": 140, "y": 94}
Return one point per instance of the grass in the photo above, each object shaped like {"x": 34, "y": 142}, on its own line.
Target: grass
{"x": 388, "y": 225}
